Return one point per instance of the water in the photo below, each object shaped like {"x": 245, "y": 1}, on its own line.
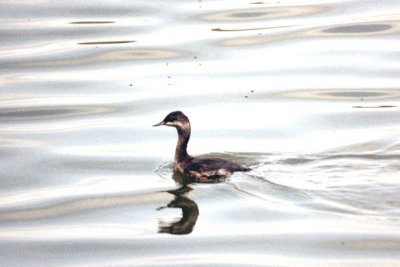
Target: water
{"x": 304, "y": 92}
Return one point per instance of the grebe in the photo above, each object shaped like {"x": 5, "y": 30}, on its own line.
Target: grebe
{"x": 197, "y": 168}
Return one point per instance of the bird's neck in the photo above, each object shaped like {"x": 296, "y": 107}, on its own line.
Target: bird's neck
{"x": 183, "y": 140}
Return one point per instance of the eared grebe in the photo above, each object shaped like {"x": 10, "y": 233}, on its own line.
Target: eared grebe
{"x": 198, "y": 168}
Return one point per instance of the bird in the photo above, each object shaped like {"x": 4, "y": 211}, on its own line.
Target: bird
{"x": 199, "y": 168}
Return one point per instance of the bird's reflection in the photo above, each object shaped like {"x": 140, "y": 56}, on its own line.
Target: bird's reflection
{"x": 190, "y": 210}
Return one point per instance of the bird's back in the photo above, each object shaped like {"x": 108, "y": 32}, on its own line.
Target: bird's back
{"x": 212, "y": 167}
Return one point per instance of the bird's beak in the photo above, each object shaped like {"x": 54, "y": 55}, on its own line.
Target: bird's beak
{"x": 159, "y": 124}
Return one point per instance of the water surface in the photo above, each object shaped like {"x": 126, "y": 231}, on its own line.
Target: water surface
{"x": 306, "y": 93}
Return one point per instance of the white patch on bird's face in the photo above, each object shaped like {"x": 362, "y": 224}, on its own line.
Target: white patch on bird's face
{"x": 174, "y": 123}
{"x": 178, "y": 124}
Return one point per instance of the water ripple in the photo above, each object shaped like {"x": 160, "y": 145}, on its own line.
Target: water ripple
{"x": 343, "y": 94}
{"x": 92, "y": 22}
{"x": 262, "y": 14}
{"x": 50, "y": 113}
{"x": 350, "y": 184}
{"x": 107, "y": 42}
{"x": 281, "y": 33}
{"x": 359, "y": 29}
{"x": 107, "y": 57}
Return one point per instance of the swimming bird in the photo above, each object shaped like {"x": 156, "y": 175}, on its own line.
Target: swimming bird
{"x": 201, "y": 169}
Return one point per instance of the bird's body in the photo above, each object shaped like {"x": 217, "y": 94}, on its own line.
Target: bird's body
{"x": 196, "y": 167}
